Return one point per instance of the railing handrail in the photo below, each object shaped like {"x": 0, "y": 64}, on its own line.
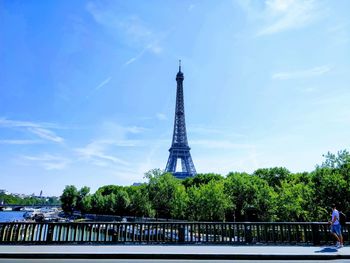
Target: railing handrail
{"x": 179, "y": 222}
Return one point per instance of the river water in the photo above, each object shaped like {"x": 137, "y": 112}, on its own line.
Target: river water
{"x": 10, "y": 216}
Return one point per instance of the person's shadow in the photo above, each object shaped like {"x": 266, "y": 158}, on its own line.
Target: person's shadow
{"x": 327, "y": 250}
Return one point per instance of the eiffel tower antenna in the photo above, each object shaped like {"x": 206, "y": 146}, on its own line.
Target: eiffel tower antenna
{"x": 179, "y": 150}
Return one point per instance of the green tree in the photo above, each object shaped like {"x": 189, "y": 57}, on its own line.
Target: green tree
{"x": 86, "y": 204}
{"x": 153, "y": 173}
{"x": 332, "y": 188}
{"x": 98, "y": 203}
{"x": 140, "y": 205}
{"x": 166, "y": 194}
{"x": 294, "y": 202}
{"x": 111, "y": 199}
{"x": 122, "y": 202}
{"x": 341, "y": 160}
{"x": 110, "y": 206}
{"x": 273, "y": 176}
{"x": 69, "y": 199}
{"x": 82, "y": 194}
{"x": 179, "y": 202}
{"x": 247, "y": 192}
{"x": 338, "y": 165}
{"x": 200, "y": 179}
{"x": 109, "y": 189}
{"x": 208, "y": 202}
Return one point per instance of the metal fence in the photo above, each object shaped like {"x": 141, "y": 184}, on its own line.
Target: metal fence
{"x": 312, "y": 233}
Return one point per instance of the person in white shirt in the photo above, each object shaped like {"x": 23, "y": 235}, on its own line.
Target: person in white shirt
{"x": 336, "y": 227}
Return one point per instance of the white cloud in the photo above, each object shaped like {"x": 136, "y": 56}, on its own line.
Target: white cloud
{"x": 132, "y": 60}
{"x": 154, "y": 47}
{"x": 150, "y": 160}
{"x": 161, "y": 116}
{"x": 135, "y": 129}
{"x": 282, "y": 15}
{"x": 131, "y": 28}
{"x": 313, "y": 72}
{"x": 95, "y": 152}
{"x": 99, "y": 86}
{"x": 11, "y": 123}
{"x": 101, "y": 151}
{"x": 126, "y": 143}
{"x": 213, "y": 131}
{"x": 245, "y": 162}
{"x": 48, "y": 161}
{"x": 20, "y": 142}
{"x": 40, "y": 129}
{"x": 220, "y": 144}
{"x": 46, "y": 134}
{"x": 103, "y": 83}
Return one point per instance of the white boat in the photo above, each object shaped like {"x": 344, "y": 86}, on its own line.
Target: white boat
{"x": 30, "y": 213}
{"x": 29, "y": 209}
{"x": 50, "y": 210}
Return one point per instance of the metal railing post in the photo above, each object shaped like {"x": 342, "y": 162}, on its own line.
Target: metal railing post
{"x": 181, "y": 233}
{"x": 50, "y": 229}
{"x": 315, "y": 234}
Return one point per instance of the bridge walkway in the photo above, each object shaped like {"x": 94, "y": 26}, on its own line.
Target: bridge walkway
{"x": 174, "y": 252}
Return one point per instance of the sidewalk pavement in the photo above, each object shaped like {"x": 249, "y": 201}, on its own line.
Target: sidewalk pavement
{"x": 217, "y": 252}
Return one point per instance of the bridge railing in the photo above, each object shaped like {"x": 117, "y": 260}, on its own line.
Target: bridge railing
{"x": 299, "y": 233}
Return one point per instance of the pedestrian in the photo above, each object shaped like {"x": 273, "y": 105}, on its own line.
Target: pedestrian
{"x": 336, "y": 227}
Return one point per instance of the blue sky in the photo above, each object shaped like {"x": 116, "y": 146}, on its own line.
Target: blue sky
{"x": 87, "y": 88}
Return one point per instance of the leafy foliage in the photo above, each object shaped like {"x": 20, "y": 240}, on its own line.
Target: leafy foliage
{"x": 69, "y": 199}
{"x": 208, "y": 202}
{"x": 273, "y": 176}
{"x": 201, "y": 179}
{"x": 248, "y": 192}
{"x": 269, "y": 194}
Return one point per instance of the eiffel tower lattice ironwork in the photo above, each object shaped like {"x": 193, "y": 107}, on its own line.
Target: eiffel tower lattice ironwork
{"x": 179, "y": 150}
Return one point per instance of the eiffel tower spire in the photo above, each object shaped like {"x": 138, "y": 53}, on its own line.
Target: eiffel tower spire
{"x": 179, "y": 150}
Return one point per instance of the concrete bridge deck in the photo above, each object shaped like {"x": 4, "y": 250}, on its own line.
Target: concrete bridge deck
{"x": 171, "y": 252}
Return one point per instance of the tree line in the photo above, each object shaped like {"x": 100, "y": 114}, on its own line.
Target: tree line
{"x": 268, "y": 194}
{"x": 10, "y": 199}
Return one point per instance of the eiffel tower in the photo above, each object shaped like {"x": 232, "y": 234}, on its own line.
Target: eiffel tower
{"x": 179, "y": 150}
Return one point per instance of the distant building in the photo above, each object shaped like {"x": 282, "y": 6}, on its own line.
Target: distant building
{"x": 19, "y": 195}
{"x": 3, "y": 191}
